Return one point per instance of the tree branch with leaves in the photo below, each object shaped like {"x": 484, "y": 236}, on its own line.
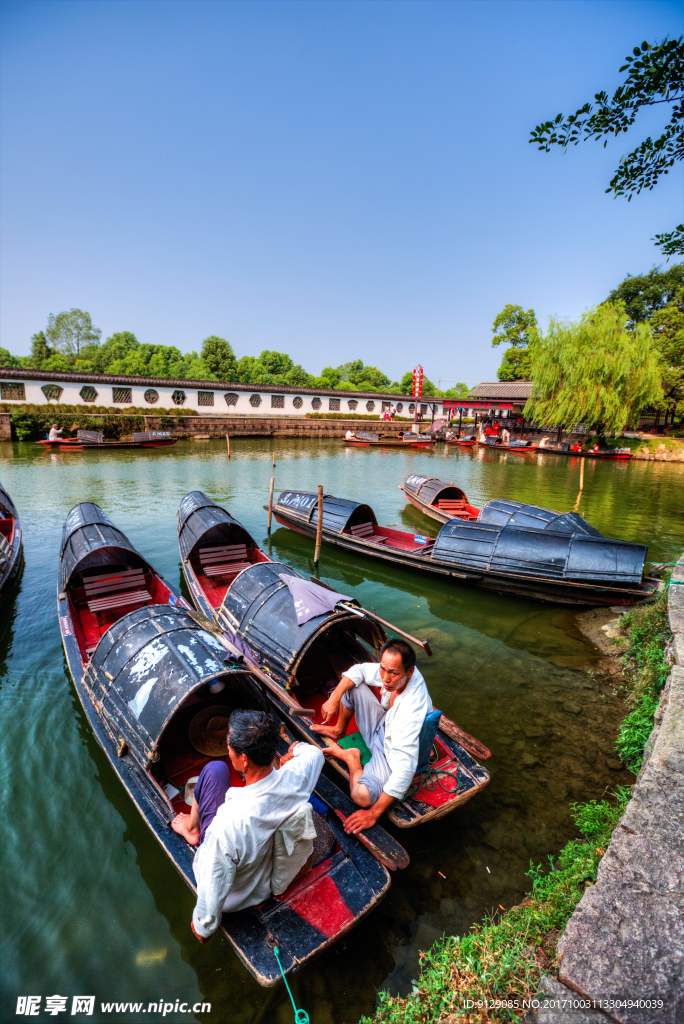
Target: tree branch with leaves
{"x": 655, "y": 75}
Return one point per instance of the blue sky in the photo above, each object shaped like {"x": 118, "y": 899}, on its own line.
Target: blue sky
{"x": 334, "y": 180}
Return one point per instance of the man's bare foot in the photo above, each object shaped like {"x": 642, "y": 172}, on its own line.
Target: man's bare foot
{"x": 181, "y": 825}
{"x": 334, "y": 732}
{"x": 351, "y": 757}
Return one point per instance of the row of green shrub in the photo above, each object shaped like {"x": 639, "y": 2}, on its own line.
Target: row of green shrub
{"x": 33, "y": 422}
{"x": 499, "y": 959}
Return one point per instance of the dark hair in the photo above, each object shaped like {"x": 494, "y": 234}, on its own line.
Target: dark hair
{"x": 254, "y": 733}
{"x": 400, "y": 647}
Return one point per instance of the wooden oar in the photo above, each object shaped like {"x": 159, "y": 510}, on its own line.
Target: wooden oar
{"x": 468, "y": 742}
{"x": 395, "y": 629}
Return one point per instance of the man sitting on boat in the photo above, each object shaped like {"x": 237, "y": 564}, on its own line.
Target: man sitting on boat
{"x": 390, "y": 728}
{"x": 240, "y": 861}
{"x": 55, "y": 433}
{"x": 505, "y": 436}
{"x": 350, "y": 436}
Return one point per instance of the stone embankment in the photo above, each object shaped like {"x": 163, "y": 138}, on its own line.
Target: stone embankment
{"x": 622, "y": 950}
{"x": 663, "y": 454}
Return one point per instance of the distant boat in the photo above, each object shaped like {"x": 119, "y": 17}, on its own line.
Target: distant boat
{"x": 95, "y": 439}
{"x": 403, "y": 440}
{"x": 10, "y": 538}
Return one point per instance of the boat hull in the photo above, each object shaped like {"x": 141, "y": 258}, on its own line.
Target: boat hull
{"x": 549, "y": 590}
{"x": 390, "y": 444}
{"x": 65, "y": 445}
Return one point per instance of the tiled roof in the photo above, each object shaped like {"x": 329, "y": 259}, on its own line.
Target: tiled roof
{"x": 16, "y": 373}
{"x": 505, "y": 390}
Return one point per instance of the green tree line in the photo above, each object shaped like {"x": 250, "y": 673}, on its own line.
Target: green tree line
{"x": 70, "y": 343}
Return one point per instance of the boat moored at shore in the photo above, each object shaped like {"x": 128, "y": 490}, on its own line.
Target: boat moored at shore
{"x": 511, "y": 548}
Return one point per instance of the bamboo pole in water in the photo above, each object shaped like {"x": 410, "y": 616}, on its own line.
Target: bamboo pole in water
{"x": 319, "y": 526}
{"x": 228, "y": 444}
{"x": 581, "y": 484}
{"x": 270, "y": 504}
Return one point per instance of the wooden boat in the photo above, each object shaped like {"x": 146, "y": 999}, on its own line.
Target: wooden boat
{"x": 437, "y": 499}
{"x": 153, "y": 670}
{"x": 512, "y": 548}
{"x": 95, "y": 439}
{"x": 517, "y": 446}
{"x": 405, "y": 440}
{"x": 10, "y": 538}
{"x": 298, "y": 662}
{"x": 468, "y": 441}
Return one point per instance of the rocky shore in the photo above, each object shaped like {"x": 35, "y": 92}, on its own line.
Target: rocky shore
{"x": 622, "y": 951}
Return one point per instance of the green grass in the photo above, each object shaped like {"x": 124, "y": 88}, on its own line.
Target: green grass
{"x": 504, "y": 958}
{"x": 646, "y": 630}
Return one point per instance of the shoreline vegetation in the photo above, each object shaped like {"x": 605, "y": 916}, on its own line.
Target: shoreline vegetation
{"x": 504, "y": 957}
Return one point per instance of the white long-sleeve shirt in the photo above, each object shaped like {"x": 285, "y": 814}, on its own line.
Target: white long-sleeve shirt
{"x": 234, "y": 863}
{"x": 403, "y": 722}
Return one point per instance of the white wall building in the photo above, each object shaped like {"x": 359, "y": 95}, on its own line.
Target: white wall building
{"x": 40, "y": 387}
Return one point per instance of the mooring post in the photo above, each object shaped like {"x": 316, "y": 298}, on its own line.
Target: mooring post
{"x": 228, "y": 444}
{"x": 274, "y": 458}
{"x": 581, "y": 483}
{"x": 319, "y": 526}
{"x": 270, "y": 504}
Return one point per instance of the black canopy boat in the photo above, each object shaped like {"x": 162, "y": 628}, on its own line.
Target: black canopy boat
{"x": 437, "y": 499}
{"x": 299, "y": 662}
{"x": 214, "y": 548}
{"x": 10, "y": 538}
{"x": 154, "y": 669}
{"x": 96, "y": 439}
{"x": 512, "y": 548}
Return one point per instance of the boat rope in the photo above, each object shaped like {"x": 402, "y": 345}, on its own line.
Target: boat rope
{"x": 429, "y": 779}
{"x": 301, "y": 1016}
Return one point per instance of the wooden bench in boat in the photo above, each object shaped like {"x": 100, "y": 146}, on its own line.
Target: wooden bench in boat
{"x": 116, "y": 590}
{"x": 225, "y": 560}
{"x": 365, "y": 531}
{"x": 455, "y": 507}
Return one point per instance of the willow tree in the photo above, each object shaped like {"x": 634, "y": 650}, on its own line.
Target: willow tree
{"x": 594, "y": 372}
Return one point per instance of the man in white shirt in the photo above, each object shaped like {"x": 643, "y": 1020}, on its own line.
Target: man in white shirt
{"x": 55, "y": 434}
{"x": 390, "y": 728}
{"x": 350, "y": 435}
{"x": 234, "y": 864}
{"x": 505, "y": 436}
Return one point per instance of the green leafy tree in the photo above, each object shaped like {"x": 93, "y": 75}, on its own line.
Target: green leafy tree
{"x": 116, "y": 348}
{"x": 244, "y": 368}
{"x": 297, "y": 377}
{"x": 667, "y": 324}
{"x": 655, "y": 74}
{"x": 40, "y": 350}
{"x": 594, "y": 372}
{"x": 516, "y": 328}
{"x": 644, "y": 294}
{"x": 196, "y": 369}
{"x": 458, "y": 391}
{"x": 330, "y": 377}
{"x": 219, "y": 357}
{"x": 8, "y": 360}
{"x": 68, "y": 332}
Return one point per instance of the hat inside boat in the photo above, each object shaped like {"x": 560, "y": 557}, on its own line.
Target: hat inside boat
{"x": 209, "y": 730}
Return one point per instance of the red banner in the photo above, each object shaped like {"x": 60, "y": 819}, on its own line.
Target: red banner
{"x": 418, "y": 382}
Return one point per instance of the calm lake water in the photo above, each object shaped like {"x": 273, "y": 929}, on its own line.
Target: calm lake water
{"x": 91, "y": 904}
